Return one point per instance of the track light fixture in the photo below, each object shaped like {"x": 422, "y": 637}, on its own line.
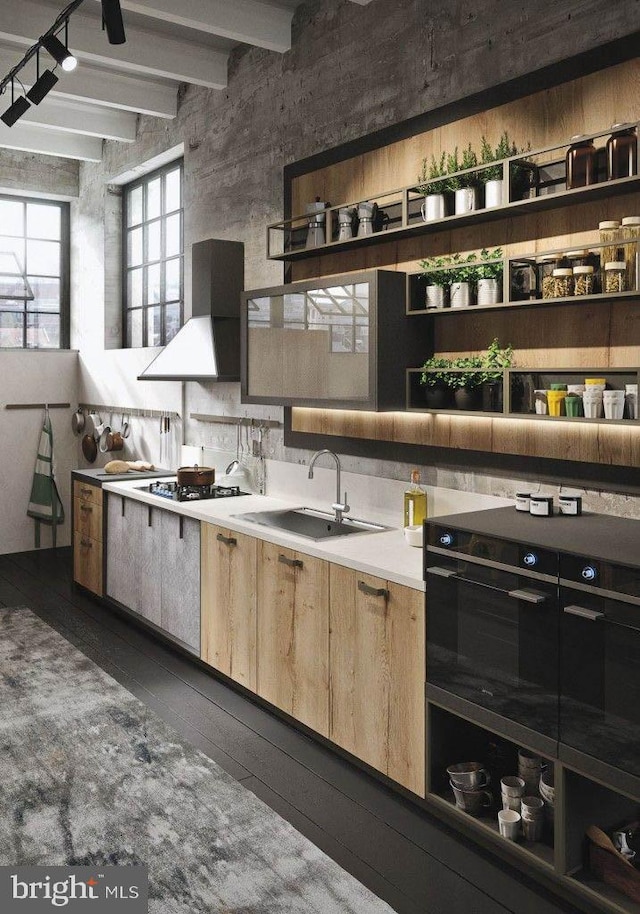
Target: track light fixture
{"x": 111, "y": 21}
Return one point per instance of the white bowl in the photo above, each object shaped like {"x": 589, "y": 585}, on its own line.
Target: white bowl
{"x": 414, "y": 535}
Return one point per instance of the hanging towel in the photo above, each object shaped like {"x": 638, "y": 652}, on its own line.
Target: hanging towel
{"x": 45, "y": 505}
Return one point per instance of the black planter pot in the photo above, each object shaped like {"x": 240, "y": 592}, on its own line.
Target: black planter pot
{"x": 468, "y": 398}
{"x": 437, "y": 396}
{"x": 492, "y": 397}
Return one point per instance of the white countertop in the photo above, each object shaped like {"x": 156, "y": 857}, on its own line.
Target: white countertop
{"x": 385, "y": 555}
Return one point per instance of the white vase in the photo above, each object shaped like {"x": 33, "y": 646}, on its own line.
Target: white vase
{"x": 489, "y": 292}
{"x": 460, "y": 294}
{"x": 435, "y": 297}
{"x": 493, "y": 193}
{"x": 434, "y": 207}
{"x": 466, "y": 200}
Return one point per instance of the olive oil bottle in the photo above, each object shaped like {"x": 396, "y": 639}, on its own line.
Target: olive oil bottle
{"x": 415, "y": 502}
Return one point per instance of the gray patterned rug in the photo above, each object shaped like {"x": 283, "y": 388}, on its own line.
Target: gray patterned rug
{"x": 90, "y": 776}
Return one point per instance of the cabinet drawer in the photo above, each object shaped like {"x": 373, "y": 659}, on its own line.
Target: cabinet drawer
{"x": 87, "y": 563}
{"x": 87, "y": 519}
{"x": 85, "y": 492}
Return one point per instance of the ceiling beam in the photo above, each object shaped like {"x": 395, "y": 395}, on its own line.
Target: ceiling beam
{"x": 89, "y": 120}
{"x": 144, "y": 53}
{"x": 361, "y": 2}
{"x": 50, "y": 142}
{"x": 112, "y": 90}
{"x": 248, "y": 21}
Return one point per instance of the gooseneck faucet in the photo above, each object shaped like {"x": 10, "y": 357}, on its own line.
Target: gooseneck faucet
{"x": 340, "y": 507}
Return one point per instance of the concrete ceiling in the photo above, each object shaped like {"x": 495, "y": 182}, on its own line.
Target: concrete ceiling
{"x": 168, "y": 43}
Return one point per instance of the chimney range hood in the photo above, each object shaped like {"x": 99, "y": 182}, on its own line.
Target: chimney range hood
{"x": 207, "y": 348}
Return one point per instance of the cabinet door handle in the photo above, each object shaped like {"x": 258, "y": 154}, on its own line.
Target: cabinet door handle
{"x": 86, "y": 508}
{"x": 150, "y": 517}
{"x": 227, "y": 540}
{"x": 87, "y": 543}
{"x": 86, "y": 491}
{"x": 529, "y": 596}
{"x": 292, "y": 563}
{"x": 591, "y": 615}
{"x": 373, "y": 591}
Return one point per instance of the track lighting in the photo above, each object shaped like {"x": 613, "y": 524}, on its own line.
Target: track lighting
{"x": 16, "y": 109}
{"x": 43, "y": 85}
{"x": 59, "y": 52}
{"x": 112, "y": 21}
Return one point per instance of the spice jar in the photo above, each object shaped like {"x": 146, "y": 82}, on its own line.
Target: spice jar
{"x": 631, "y": 238}
{"x": 622, "y": 152}
{"x": 563, "y": 282}
{"x": 581, "y": 162}
{"x": 583, "y": 280}
{"x": 546, "y": 282}
{"x": 610, "y": 238}
{"x": 615, "y": 274}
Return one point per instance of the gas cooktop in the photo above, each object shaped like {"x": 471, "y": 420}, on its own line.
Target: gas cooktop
{"x": 175, "y": 492}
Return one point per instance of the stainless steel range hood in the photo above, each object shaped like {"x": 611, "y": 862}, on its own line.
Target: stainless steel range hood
{"x": 207, "y": 348}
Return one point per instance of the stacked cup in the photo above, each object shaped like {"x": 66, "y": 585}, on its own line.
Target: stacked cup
{"x": 592, "y": 397}
{"x": 532, "y": 814}
{"x": 548, "y": 793}
{"x": 468, "y": 781}
{"x": 631, "y": 397}
{"x": 613, "y": 402}
{"x": 512, "y": 792}
{"x": 529, "y": 769}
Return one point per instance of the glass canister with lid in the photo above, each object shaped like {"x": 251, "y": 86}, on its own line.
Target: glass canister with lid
{"x": 622, "y": 152}
{"x": 581, "y": 162}
{"x": 611, "y": 240}
{"x": 583, "y": 280}
{"x": 546, "y": 282}
{"x": 563, "y": 282}
{"x": 615, "y": 276}
{"x": 631, "y": 240}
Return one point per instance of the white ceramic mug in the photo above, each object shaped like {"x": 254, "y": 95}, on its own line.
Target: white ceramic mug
{"x": 613, "y": 402}
{"x": 592, "y": 403}
{"x": 509, "y": 822}
{"x": 541, "y": 402}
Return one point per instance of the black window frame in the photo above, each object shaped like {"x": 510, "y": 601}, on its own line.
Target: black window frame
{"x": 127, "y": 229}
{"x": 65, "y": 273}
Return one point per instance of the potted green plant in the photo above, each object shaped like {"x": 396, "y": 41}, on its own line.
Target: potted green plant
{"x": 466, "y": 380}
{"x": 488, "y": 275}
{"x": 495, "y": 360}
{"x": 464, "y": 185}
{"x": 462, "y": 275}
{"x": 437, "y": 277}
{"x": 435, "y": 380}
{"x": 435, "y": 187}
{"x": 493, "y": 176}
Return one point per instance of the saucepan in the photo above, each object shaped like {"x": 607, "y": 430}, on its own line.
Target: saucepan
{"x": 196, "y": 476}
{"x": 77, "y": 421}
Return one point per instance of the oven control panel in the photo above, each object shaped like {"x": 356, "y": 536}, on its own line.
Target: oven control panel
{"x": 491, "y": 549}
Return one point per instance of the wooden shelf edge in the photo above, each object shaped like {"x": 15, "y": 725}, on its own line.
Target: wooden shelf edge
{"x": 530, "y": 303}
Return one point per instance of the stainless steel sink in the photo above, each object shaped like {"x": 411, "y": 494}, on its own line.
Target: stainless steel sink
{"x": 309, "y": 522}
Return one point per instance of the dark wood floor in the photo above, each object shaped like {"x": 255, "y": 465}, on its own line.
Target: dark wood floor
{"x": 418, "y": 865}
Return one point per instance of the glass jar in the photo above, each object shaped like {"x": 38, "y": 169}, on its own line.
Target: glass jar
{"x": 583, "y": 280}
{"x": 563, "y": 282}
{"x": 581, "y": 162}
{"x": 576, "y": 259}
{"x": 631, "y": 239}
{"x": 622, "y": 152}
{"x": 546, "y": 282}
{"x": 610, "y": 238}
{"x": 615, "y": 276}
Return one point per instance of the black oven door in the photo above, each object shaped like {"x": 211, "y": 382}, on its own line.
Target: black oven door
{"x": 600, "y": 678}
{"x": 492, "y": 639}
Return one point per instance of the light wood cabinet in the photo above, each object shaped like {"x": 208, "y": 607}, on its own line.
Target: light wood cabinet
{"x": 87, "y": 536}
{"x": 228, "y": 603}
{"x": 378, "y": 672}
{"x": 293, "y": 634}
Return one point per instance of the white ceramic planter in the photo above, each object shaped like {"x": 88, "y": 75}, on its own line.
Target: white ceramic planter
{"x": 435, "y": 297}
{"x": 466, "y": 200}
{"x": 493, "y": 193}
{"x": 461, "y": 294}
{"x": 489, "y": 291}
{"x": 434, "y": 207}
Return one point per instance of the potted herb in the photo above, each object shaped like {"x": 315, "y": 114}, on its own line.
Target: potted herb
{"x": 488, "y": 274}
{"x": 495, "y": 360}
{"x": 435, "y": 380}
{"x": 437, "y": 276}
{"x": 466, "y": 380}
{"x": 462, "y": 278}
{"x": 465, "y": 185}
{"x": 435, "y": 187}
{"x": 493, "y": 176}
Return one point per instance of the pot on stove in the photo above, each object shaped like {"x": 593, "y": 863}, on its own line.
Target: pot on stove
{"x": 196, "y": 476}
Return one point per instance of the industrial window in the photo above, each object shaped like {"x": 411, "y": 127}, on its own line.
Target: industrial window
{"x": 153, "y": 257}
{"x": 34, "y": 274}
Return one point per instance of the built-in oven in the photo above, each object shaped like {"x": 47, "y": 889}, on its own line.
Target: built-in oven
{"x": 600, "y": 660}
{"x": 492, "y": 627}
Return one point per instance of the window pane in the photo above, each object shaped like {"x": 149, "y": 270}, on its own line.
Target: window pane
{"x": 12, "y": 246}
{"x": 171, "y": 321}
{"x": 153, "y": 199}
{"x": 154, "y": 326}
{"x": 43, "y": 331}
{"x": 135, "y": 247}
{"x": 153, "y": 241}
{"x": 172, "y": 280}
{"x": 11, "y": 217}
{"x": 134, "y": 206}
{"x": 47, "y": 294}
{"x": 43, "y": 221}
{"x": 172, "y": 191}
{"x": 9, "y": 305}
{"x": 11, "y": 325}
{"x": 153, "y": 284}
{"x": 134, "y": 328}
{"x": 135, "y": 289}
{"x": 43, "y": 258}
{"x": 173, "y": 245}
